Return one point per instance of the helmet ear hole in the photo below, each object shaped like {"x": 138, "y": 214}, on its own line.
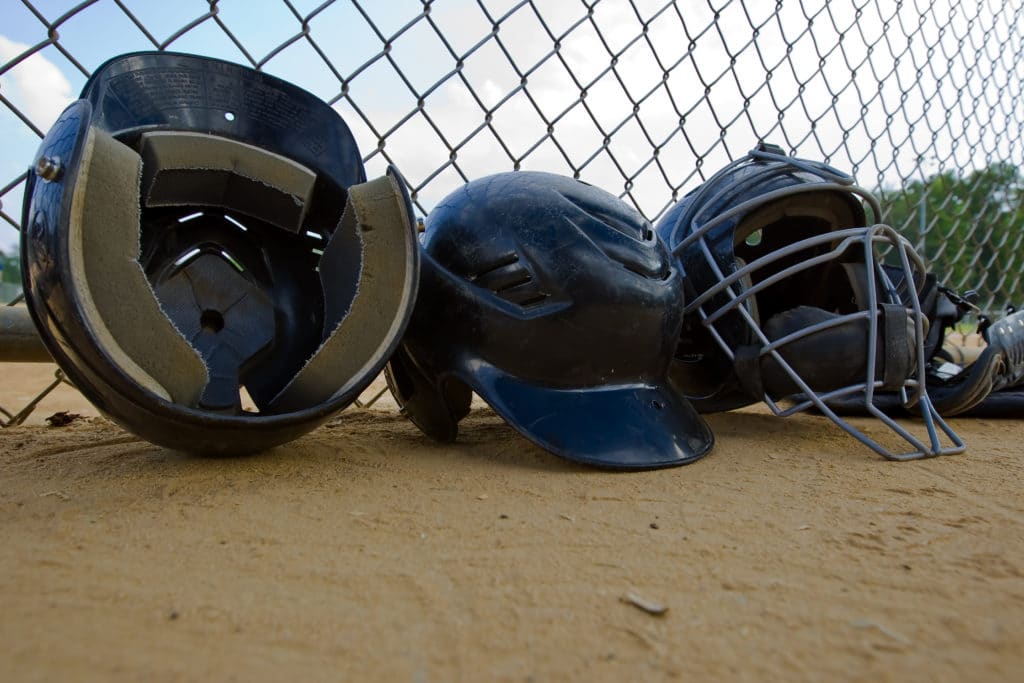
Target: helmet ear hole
{"x": 434, "y": 406}
{"x": 458, "y": 396}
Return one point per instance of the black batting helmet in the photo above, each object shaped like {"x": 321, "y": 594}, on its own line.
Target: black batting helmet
{"x": 194, "y": 227}
{"x": 558, "y": 305}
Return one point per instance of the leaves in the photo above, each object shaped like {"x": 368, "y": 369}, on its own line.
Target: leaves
{"x": 970, "y": 228}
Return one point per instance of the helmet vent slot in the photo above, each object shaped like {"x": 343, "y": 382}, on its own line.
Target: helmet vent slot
{"x": 524, "y": 278}
{"x": 528, "y": 299}
{"x": 187, "y": 256}
{"x": 498, "y": 265}
{"x": 510, "y": 280}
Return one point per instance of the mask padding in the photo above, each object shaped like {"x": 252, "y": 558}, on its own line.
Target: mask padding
{"x": 194, "y": 170}
{"x": 378, "y": 212}
{"x": 830, "y": 211}
{"x": 116, "y": 298}
{"x": 835, "y": 357}
{"x": 826, "y": 360}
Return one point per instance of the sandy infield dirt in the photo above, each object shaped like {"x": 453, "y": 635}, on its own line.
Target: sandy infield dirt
{"x": 364, "y": 551}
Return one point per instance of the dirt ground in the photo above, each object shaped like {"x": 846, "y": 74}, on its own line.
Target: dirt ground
{"x": 363, "y": 551}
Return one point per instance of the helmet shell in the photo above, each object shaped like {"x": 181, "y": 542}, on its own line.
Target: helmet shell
{"x": 789, "y": 300}
{"x": 134, "y": 186}
{"x": 719, "y": 227}
{"x": 557, "y": 304}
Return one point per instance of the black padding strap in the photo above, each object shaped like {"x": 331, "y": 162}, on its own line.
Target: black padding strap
{"x": 899, "y": 346}
{"x": 748, "y": 371}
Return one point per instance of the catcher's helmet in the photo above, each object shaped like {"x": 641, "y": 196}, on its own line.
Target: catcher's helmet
{"x": 787, "y": 297}
{"x": 193, "y": 227}
{"x": 559, "y": 306}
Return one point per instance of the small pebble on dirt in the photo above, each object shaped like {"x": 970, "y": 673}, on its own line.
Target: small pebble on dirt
{"x": 62, "y": 419}
{"x": 655, "y": 609}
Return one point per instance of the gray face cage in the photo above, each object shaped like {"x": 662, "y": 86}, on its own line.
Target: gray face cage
{"x": 794, "y": 360}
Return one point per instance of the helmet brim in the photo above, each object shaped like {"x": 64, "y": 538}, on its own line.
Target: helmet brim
{"x": 622, "y": 427}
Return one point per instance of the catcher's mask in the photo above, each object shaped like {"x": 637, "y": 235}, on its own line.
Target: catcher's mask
{"x": 192, "y": 228}
{"x": 787, "y": 297}
{"x": 558, "y": 305}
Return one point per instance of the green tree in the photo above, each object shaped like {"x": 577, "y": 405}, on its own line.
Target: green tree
{"x": 11, "y": 268}
{"x": 970, "y": 228}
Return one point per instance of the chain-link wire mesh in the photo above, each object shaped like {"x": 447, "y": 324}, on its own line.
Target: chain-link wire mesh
{"x": 922, "y": 99}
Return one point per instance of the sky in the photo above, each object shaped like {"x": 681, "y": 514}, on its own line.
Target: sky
{"x": 890, "y": 91}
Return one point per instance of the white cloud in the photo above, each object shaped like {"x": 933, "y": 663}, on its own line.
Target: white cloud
{"x": 35, "y": 86}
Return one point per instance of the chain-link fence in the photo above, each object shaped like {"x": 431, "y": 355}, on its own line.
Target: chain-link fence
{"x": 921, "y": 99}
